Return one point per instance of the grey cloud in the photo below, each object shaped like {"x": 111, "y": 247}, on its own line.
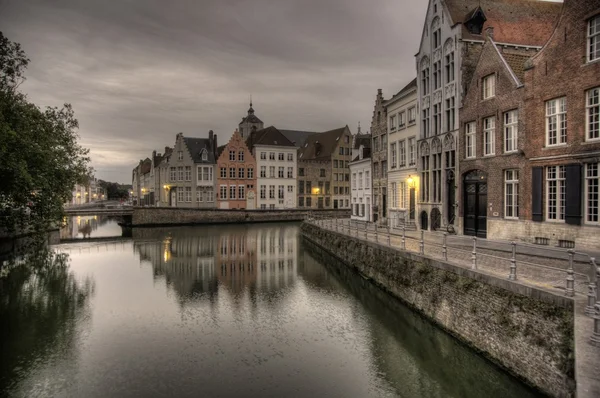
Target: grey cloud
{"x": 137, "y": 72}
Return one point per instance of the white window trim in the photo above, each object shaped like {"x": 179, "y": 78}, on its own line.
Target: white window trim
{"x": 514, "y": 127}
{"x": 515, "y": 187}
{"x": 470, "y": 133}
{"x": 558, "y": 122}
{"x": 486, "y": 90}
{"x": 547, "y": 197}
{"x": 586, "y": 193}
{"x": 589, "y": 36}
{"x": 489, "y": 132}
{"x": 588, "y": 107}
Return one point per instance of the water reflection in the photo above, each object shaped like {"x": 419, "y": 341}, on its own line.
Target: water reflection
{"x": 240, "y": 310}
{"x": 81, "y": 227}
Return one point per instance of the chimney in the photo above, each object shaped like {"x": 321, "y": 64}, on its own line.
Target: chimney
{"x": 153, "y": 154}
{"x": 489, "y": 32}
{"x": 317, "y": 148}
{"x": 166, "y": 150}
{"x": 210, "y": 135}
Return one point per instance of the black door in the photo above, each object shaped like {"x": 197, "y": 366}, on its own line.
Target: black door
{"x": 475, "y": 203}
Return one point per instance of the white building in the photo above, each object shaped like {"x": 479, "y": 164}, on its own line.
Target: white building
{"x": 403, "y": 181}
{"x": 361, "y": 172}
{"x": 276, "y": 165}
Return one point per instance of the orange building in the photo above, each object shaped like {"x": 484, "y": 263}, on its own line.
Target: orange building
{"x": 236, "y": 175}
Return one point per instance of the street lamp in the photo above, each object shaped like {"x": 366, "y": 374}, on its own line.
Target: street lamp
{"x": 411, "y": 182}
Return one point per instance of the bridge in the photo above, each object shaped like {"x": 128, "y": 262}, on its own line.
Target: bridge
{"x": 97, "y": 211}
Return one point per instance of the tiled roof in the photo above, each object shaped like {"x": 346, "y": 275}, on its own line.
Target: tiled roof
{"x": 196, "y": 146}
{"x": 321, "y": 145}
{"x": 267, "y": 136}
{"x": 517, "y": 64}
{"x": 220, "y": 150}
{"x": 297, "y": 137}
{"x": 146, "y": 166}
{"x": 524, "y": 22}
{"x": 251, "y": 119}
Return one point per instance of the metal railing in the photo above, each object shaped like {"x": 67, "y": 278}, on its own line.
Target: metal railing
{"x": 503, "y": 260}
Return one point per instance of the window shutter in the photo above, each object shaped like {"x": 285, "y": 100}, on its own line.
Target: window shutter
{"x": 573, "y": 194}
{"x": 537, "y": 213}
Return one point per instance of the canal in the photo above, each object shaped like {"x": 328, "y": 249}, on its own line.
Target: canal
{"x": 221, "y": 311}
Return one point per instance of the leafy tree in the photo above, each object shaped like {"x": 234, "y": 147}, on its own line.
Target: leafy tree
{"x": 40, "y": 158}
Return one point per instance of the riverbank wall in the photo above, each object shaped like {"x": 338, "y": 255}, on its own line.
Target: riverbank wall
{"x": 168, "y": 216}
{"x": 526, "y": 330}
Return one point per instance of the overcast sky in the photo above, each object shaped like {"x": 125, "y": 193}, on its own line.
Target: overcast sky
{"x": 139, "y": 71}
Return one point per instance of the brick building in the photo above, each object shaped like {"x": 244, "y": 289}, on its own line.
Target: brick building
{"x": 450, "y": 48}
{"x": 562, "y": 96}
{"x": 379, "y": 150}
{"x": 492, "y": 141}
{"x": 236, "y": 179}
{"x": 323, "y": 171}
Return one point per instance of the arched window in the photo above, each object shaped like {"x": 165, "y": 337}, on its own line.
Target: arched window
{"x": 424, "y": 152}
{"x": 436, "y": 38}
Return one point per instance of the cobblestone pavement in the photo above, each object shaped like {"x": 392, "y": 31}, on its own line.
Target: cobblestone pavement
{"x": 542, "y": 267}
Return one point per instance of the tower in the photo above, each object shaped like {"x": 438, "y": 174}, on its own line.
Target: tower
{"x": 250, "y": 123}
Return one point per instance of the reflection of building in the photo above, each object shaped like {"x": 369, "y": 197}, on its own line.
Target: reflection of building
{"x": 235, "y": 264}
{"x": 84, "y": 225}
{"x": 277, "y": 256}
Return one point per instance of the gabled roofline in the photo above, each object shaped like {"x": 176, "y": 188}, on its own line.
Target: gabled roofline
{"x": 506, "y": 65}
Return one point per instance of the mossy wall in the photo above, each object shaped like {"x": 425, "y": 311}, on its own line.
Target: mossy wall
{"x": 525, "y": 330}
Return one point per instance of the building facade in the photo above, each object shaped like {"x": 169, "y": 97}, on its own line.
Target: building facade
{"x": 236, "y": 180}
{"x": 562, "y": 106}
{"x": 361, "y": 171}
{"x": 250, "y": 123}
{"x": 323, "y": 170}
{"x": 403, "y": 132}
{"x": 276, "y": 168}
{"x": 379, "y": 152}
{"x": 192, "y": 178}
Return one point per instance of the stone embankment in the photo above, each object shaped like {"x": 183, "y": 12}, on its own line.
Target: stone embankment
{"x": 165, "y": 216}
{"x": 526, "y": 330}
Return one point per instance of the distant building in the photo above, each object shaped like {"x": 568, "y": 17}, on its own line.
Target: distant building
{"x": 276, "y": 165}
{"x": 323, "y": 173}
{"x": 236, "y": 179}
{"x": 379, "y": 150}
{"x": 250, "y": 123}
{"x": 361, "y": 172}
{"x": 87, "y": 193}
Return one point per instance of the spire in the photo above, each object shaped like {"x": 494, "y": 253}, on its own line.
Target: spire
{"x": 250, "y": 111}
{"x": 358, "y": 127}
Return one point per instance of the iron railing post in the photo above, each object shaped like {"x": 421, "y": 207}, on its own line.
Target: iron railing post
{"x": 389, "y": 236}
{"x": 444, "y": 247}
{"x": 376, "y": 235}
{"x": 403, "y": 237}
{"x": 596, "y": 333}
{"x": 570, "y": 290}
{"x": 592, "y": 288}
{"x": 422, "y": 243}
{"x": 474, "y": 254}
{"x": 513, "y": 262}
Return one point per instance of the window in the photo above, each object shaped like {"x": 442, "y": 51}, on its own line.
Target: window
{"x": 281, "y": 191}
{"x": 188, "y": 173}
{"x": 263, "y": 156}
{"x": 188, "y": 194}
{"x": 290, "y": 172}
{"x": 556, "y": 121}
{"x": 592, "y": 113}
{"x": 346, "y": 139}
{"x": 250, "y": 173}
{"x": 402, "y": 196}
{"x": 555, "y": 193}
{"x": 281, "y": 156}
{"x": 412, "y": 149}
{"x": 327, "y": 188}
{"x": 510, "y": 131}
{"x": 263, "y": 171}
{"x": 301, "y": 201}
{"x": 383, "y": 142}
{"x": 335, "y": 164}
{"x": 223, "y": 193}
{"x": 450, "y": 67}
{"x": 470, "y": 140}
{"x": 450, "y": 114}
{"x": 412, "y": 115}
{"x": 301, "y": 171}
{"x": 204, "y": 155}
{"x": 401, "y": 119}
{"x": 308, "y": 202}
{"x": 290, "y": 157}
{"x": 290, "y": 188}
{"x": 199, "y": 197}
{"x": 232, "y": 156}
{"x": 375, "y": 143}
{"x": 394, "y": 195}
{"x": 263, "y": 191}
{"x": 180, "y": 155}
{"x": 367, "y": 180}
{"x": 402, "y": 146}
{"x": 210, "y": 196}
{"x": 308, "y": 187}
{"x": 205, "y": 173}
{"x": 437, "y": 119}
{"x": 592, "y": 182}
{"x": 393, "y": 122}
{"x": 341, "y": 150}
{"x": 489, "y": 86}
{"x": 425, "y": 81}
{"x": 383, "y": 169}
{"x": 280, "y": 172}
{"x": 437, "y": 75}
{"x": 437, "y": 38}
{"x": 394, "y": 155}
{"x": 511, "y": 194}
{"x": 232, "y": 172}
{"x": 271, "y": 191}
{"x": 425, "y": 123}
{"x": 271, "y": 155}
{"x": 232, "y": 192}
{"x": 360, "y": 180}
{"x": 593, "y": 38}
{"x": 271, "y": 171}
{"x": 173, "y": 176}
{"x": 241, "y": 172}
{"x": 489, "y": 127}
{"x": 353, "y": 181}
{"x": 436, "y": 176}
{"x": 242, "y": 192}
{"x": 180, "y": 195}
{"x": 180, "y": 172}
{"x": 322, "y": 173}
{"x": 241, "y": 156}
{"x": 300, "y": 187}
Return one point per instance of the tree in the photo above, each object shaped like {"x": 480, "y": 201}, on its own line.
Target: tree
{"x": 40, "y": 158}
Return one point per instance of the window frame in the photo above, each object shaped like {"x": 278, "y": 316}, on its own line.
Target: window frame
{"x": 588, "y": 108}
{"x": 588, "y": 179}
{"x": 593, "y": 37}
{"x": 514, "y": 200}
{"x": 561, "y": 118}
{"x": 489, "y": 136}
{"x": 560, "y": 178}
{"x": 470, "y": 140}
{"x": 489, "y": 86}
{"x": 513, "y": 126}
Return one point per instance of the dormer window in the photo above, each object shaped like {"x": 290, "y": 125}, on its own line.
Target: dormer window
{"x": 489, "y": 86}
{"x": 180, "y": 155}
{"x": 204, "y": 155}
{"x": 593, "y": 39}
{"x": 475, "y": 23}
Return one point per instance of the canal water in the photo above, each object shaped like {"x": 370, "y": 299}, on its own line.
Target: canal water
{"x": 222, "y": 311}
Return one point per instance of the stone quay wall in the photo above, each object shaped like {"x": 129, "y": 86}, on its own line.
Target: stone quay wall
{"x": 525, "y": 330}
{"x": 163, "y": 216}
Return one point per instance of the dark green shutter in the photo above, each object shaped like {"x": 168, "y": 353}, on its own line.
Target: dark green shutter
{"x": 537, "y": 209}
{"x": 573, "y": 194}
